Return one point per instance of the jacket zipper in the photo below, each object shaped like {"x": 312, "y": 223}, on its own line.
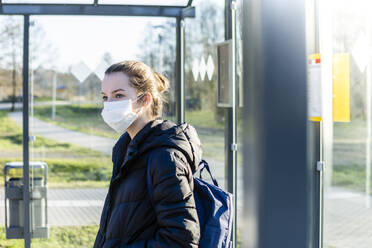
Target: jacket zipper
{"x": 109, "y": 201}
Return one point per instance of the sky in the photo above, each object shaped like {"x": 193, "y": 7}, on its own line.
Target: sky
{"x": 87, "y": 38}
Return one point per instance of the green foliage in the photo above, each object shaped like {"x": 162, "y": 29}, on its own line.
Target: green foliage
{"x": 80, "y": 172}
{"x": 354, "y": 130}
{"x": 349, "y": 176}
{"x": 203, "y": 118}
{"x": 71, "y": 173}
{"x": 60, "y": 237}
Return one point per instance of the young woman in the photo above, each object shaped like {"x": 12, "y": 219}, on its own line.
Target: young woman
{"x": 132, "y": 95}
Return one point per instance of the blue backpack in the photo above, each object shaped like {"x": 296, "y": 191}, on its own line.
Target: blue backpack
{"x": 214, "y": 207}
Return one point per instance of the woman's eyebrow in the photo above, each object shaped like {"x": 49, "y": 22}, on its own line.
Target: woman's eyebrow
{"x": 117, "y": 90}
{"x": 103, "y": 93}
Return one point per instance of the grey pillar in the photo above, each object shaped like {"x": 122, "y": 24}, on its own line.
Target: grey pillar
{"x": 276, "y": 169}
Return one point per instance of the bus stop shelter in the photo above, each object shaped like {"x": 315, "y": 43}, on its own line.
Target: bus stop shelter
{"x": 280, "y": 184}
{"x": 172, "y": 9}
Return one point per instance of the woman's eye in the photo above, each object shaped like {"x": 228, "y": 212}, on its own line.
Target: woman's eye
{"x": 104, "y": 98}
{"x": 119, "y": 96}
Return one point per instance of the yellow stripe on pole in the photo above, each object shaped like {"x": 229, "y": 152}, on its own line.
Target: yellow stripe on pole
{"x": 313, "y": 118}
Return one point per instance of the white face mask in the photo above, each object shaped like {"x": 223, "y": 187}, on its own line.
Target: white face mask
{"x": 119, "y": 115}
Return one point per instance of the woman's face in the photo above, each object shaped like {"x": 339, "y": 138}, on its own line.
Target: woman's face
{"x": 116, "y": 87}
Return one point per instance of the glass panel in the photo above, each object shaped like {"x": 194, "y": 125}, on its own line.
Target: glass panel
{"x": 239, "y": 83}
{"x": 347, "y": 43}
{"x": 11, "y": 138}
{"x": 50, "y": 1}
{"x": 202, "y": 34}
{"x": 65, "y": 113}
{"x": 146, "y": 2}
{"x": 158, "y": 49}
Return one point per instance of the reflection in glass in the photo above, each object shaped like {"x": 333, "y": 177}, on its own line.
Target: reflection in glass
{"x": 202, "y": 34}
{"x": 66, "y": 128}
{"x": 347, "y": 197}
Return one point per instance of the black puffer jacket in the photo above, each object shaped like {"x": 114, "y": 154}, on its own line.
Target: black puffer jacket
{"x": 128, "y": 219}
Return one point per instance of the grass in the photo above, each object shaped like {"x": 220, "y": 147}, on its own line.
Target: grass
{"x": 212, "y": 143}
{"x": 68, "y": 165}
{"x": 349, "y": 155}
{"x": 59, "y": 237}
{"x": 349, "y": 176}
{"x": 203, "y": 119}
{"x": 354, "y": 130}
{"x": 45, "y": 99}
{"x": 72, "y": 173}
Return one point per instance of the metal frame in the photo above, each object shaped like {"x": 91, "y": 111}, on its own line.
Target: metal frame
{"x": 315, "y": 153}
{"x": 26, "y": 158}
{"x": 26, "y": 10}
{"x": 91, "y": 9}
{"x": 231, "y": 178}
{"x": 180, "y": 70}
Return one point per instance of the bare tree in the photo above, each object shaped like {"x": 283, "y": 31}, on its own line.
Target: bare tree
{"x": 11, "y": 47}
{"x": 42, "y": 52}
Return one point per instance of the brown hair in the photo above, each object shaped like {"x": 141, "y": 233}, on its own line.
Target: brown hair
{"x": 144, "y": 79}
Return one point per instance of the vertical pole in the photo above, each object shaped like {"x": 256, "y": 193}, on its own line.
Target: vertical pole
{"x": 161, "y": 51}
{"x": 276, "y": 175}
{"x": 369, "y": 131}
{"x": 326, "y": 48}
{"x": 80, "y": 85}
{"x": 54, "y": 95}
{"x": 180, "y": 67}
{"x": 319, "y": 215}
{"x": 314, "y": 138}
{"x": 231, "y": 117}
{"x": 316, "y": 143}
{"x": 325, "y": 36}
{"x": 26, "y": 175}
{"x": 32, "y": 92}
{"x": 229, "y": 113}
{"x": 31, "y": 123}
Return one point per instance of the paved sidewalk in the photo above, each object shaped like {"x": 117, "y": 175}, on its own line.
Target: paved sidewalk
{"x": 347, "y": 220}
{"x": 48, "y": 130}
{"x": 70, "y": 207}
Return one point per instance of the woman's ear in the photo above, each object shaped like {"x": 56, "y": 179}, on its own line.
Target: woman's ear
{"x": 147, "y": 98}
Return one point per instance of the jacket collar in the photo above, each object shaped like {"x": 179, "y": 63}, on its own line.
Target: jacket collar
{"x": 130, "y": 148}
